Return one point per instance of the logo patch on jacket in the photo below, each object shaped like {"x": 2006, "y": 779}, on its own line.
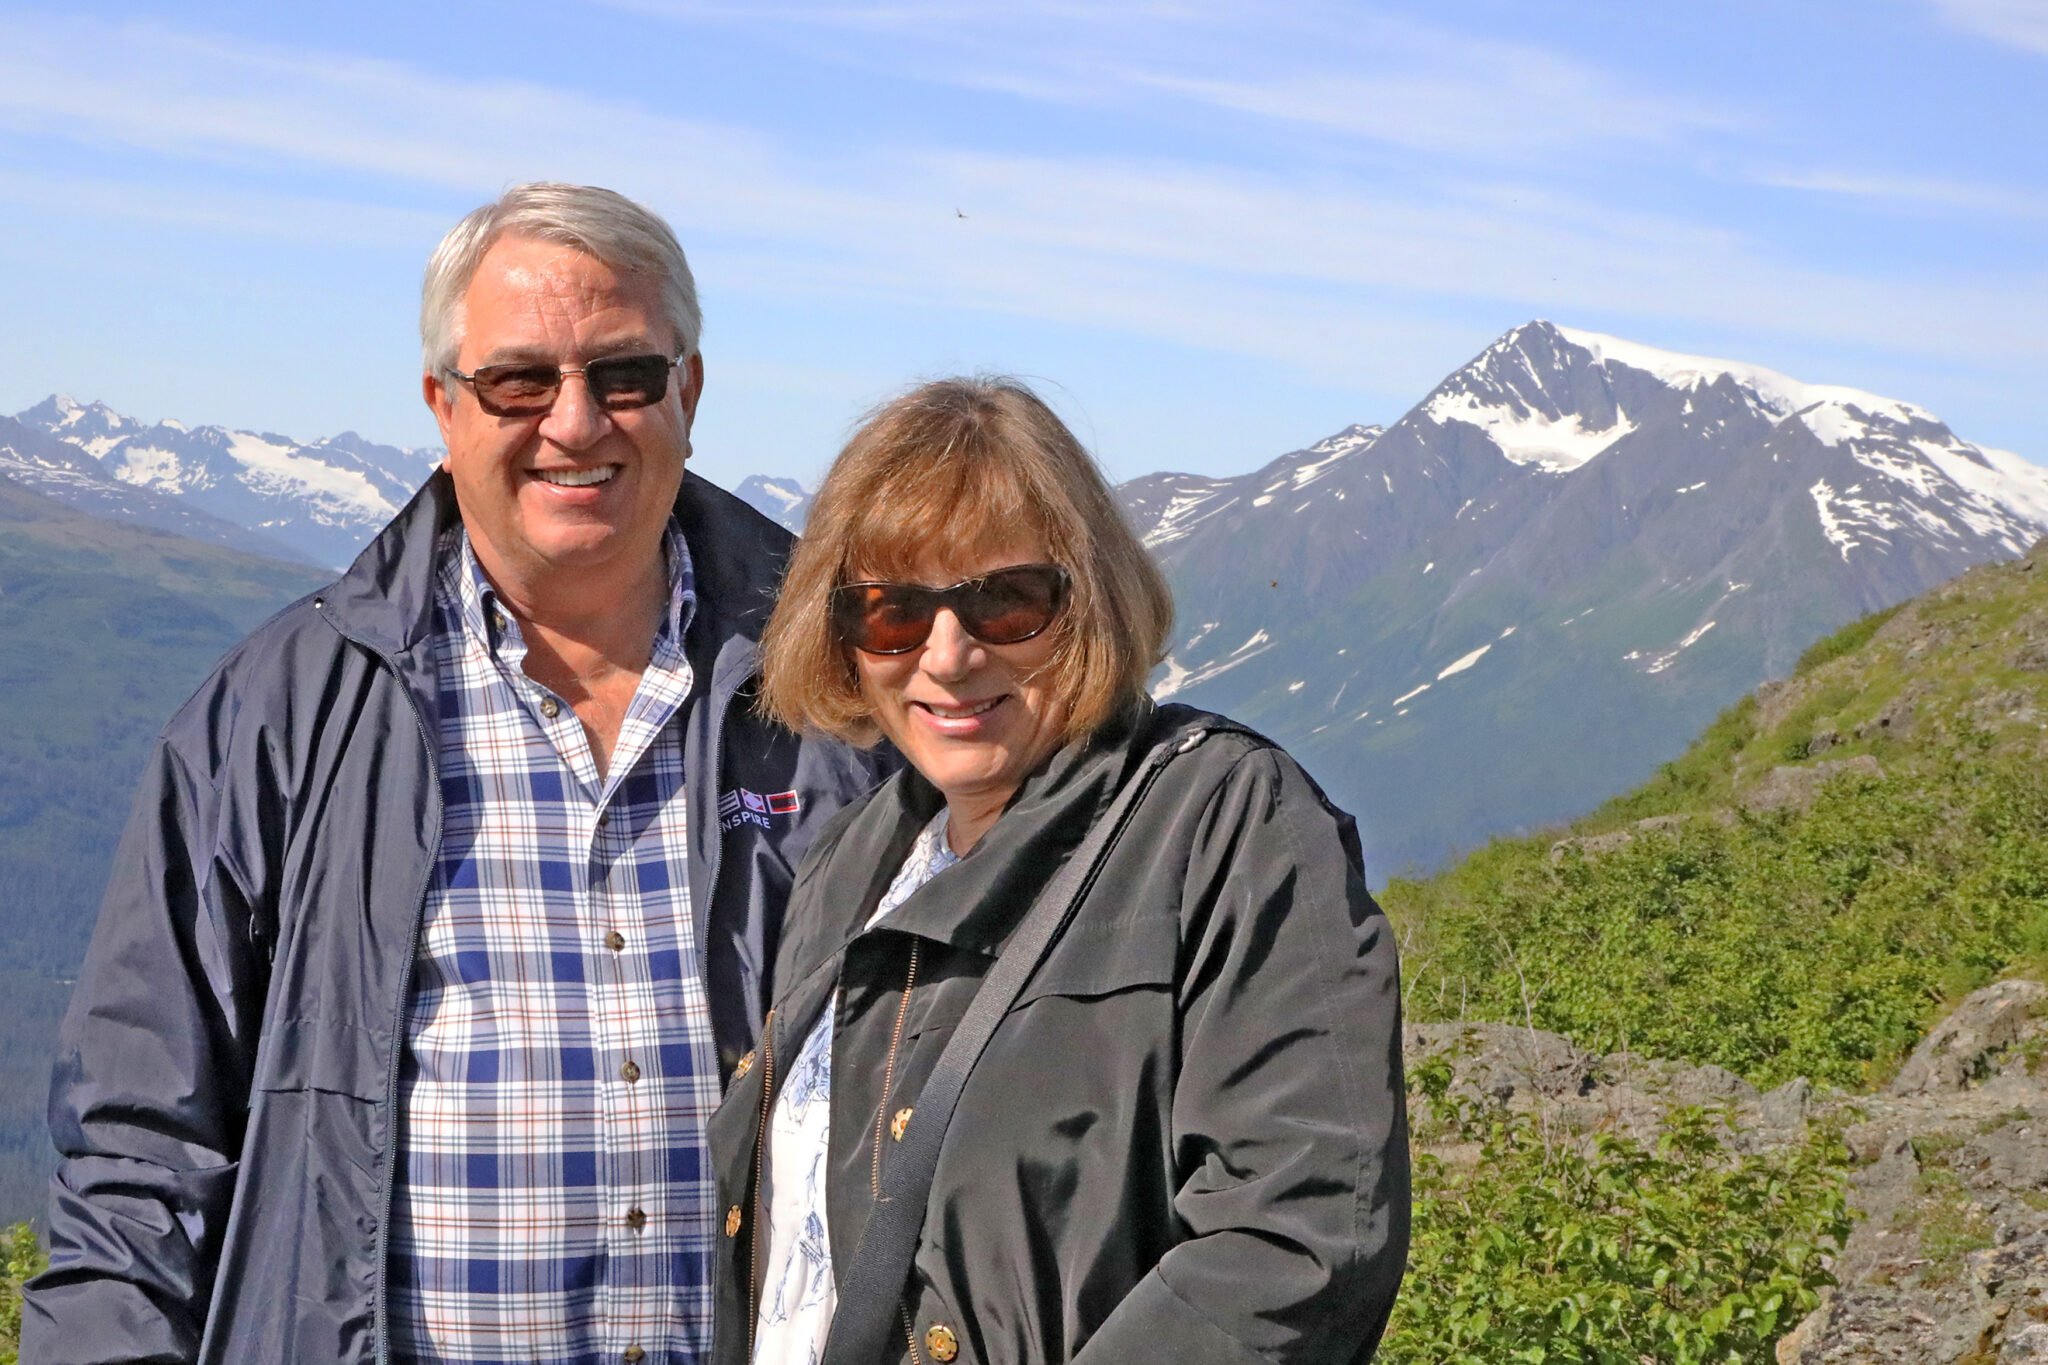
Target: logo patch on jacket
{"x": 742, "y": 807}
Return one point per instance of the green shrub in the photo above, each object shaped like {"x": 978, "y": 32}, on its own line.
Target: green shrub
{"x": 23, "y": 1257}
{"x": 1613, "y": 1252}
{"x": 1847, "y": 640}
{"x": 1816, "y": 943}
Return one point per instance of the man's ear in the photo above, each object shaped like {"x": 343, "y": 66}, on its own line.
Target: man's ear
{"x": 440, "y": 396}
{"x": 692, "y": 375}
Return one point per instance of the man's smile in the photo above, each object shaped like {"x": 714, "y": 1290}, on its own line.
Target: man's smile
{"x": 576, "y": 478}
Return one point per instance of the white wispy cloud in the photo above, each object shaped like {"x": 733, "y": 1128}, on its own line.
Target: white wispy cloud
{"x": 1340, "y": 69}
{"x": 1326, "y": 272}
{"x": 2016, "y": 23}
{"x": 1922, "y": 194}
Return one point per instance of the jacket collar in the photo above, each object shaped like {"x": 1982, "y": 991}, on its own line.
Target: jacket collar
{"x": 976, "y": 903}
{"x": 386, "y": 599}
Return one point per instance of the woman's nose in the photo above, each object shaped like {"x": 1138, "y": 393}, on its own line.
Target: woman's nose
{"x": 949, "y": 652}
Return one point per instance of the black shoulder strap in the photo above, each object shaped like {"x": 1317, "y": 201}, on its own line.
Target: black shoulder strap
{"x": 871, "y": 1292}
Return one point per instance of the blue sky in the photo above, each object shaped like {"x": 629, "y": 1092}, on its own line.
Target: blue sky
{"x": 1213, "y": 231}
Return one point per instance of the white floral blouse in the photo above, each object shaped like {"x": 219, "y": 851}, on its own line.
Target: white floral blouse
{"x": 798, "y": 1296}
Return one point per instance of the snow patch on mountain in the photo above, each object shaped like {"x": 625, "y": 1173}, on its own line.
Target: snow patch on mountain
{"x": 1329, "y": 451}
{"x": 1526, "y": 436}
{"x": 1191, "y": 504}
{"x": 1460, "y": 665}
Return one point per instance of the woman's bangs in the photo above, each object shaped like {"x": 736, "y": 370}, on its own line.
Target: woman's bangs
{"x": 946, "y": 509}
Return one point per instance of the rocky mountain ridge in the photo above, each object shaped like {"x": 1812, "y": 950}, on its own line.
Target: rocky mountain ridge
{"x": 1548, "y": 575}
{"x": 324, "y": 498}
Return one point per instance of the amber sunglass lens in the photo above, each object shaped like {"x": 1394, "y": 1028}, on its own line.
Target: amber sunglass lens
{"x": 1012, "y": 605}
{"x": 517, "y": 390}
{"x": 883, "y": 618}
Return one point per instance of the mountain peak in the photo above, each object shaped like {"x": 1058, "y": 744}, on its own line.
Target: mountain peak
{"x": 1778, "y": 394}
{"x": 1353, "y": 437}
{"x": 1541, "y": 399}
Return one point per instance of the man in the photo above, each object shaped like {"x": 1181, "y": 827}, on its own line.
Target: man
{"x": 444, "y": 913}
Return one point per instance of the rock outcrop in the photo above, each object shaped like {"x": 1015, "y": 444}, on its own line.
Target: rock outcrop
{"x": 1948, "y": 1261}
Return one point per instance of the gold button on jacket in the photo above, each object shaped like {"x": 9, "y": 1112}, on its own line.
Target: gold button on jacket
{"x": 940, "y": 1341}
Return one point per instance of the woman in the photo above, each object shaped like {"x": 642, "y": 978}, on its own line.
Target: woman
{"x": 1185, "y": 1139}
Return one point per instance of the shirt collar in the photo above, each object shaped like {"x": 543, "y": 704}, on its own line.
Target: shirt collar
{"x": 469, "y": 590}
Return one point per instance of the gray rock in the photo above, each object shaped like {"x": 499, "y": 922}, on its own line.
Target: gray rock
{"x": 1960, "y": 1048}
{"x": 2014, "y": 1157}
{"x": 1786, "y": 1107}
{"x": 1594, "y": 845}
{"x": 1794, "y": 788}
{"x": 2028, "y": 1346}
{"x": 1501, "y": 1062}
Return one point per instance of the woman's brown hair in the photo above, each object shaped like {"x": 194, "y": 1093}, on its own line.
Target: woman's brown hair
{"x": 951, "y": 465}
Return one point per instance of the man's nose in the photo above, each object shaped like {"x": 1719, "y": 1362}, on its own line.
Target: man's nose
{"x": 577, "y": 419}
{"x": 950, "y": 653}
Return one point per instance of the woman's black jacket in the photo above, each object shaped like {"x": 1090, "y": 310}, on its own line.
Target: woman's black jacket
{"x": 1185, "y": 1143}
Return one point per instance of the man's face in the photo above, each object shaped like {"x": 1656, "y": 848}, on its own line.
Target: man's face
{"x": 541, "y": 302}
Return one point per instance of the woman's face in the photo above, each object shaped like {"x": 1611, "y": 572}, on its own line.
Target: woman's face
{"x": 973, "y": 718}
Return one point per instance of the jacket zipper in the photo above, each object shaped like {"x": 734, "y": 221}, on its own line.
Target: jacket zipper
{"x": 882, "y": 1121}
{"x": 382, "y": 1305}
{"x": 889, "y": 1069}
{"x": 760, "y": 1155}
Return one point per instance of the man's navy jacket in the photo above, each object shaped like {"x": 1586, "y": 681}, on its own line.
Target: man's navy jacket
{"x": 224, "y": 1100}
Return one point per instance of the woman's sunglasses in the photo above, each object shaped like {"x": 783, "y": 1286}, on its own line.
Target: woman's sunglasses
{"x": 1000, "y": 608}
{"x": 616, "y": 384}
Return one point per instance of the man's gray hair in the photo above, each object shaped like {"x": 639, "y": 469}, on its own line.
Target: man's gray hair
{"x": 599, "y": 222}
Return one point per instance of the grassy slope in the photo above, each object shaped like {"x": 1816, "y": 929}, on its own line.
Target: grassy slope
{"x": 1814, "y": 941}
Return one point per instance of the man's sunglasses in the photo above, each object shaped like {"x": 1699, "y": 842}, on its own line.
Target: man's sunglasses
{"x": 1000, "y": 608}
{"x": 527, "y": 390}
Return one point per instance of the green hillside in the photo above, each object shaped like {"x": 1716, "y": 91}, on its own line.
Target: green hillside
{"x": 1831, "y": 866}
{"x": 1799, "y": 893}
{"x": 105, "y": 628}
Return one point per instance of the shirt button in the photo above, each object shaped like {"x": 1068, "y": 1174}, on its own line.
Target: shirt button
{"x": 629, "y": 1072}
{"x": 636, "y": 1218}
{"x": 615, "y": 941}
{"x": 633, "y": 1354}
{"x": 732, "y": 1221}
{"x": 940, "y": 1341}
{"x": 550, "y": 708}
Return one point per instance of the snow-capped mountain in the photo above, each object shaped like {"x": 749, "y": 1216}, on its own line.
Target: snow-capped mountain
{"x": 1546, "y": 577}
{"x": 35, "y": 460}
{"x": 326, "y": 497}
{"x": 781, "y": 500}
{"x": 94, "y": 428}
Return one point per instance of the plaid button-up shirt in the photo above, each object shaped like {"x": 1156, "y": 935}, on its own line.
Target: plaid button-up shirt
{"x": 554, "y": 1201}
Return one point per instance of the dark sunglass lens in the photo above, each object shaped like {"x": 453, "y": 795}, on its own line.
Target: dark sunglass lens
{"x": 1013, "y": 604}
{"x": 883, "y": 618}
{"x": 632, "y": 381}
{"x": 512, "y": 390}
